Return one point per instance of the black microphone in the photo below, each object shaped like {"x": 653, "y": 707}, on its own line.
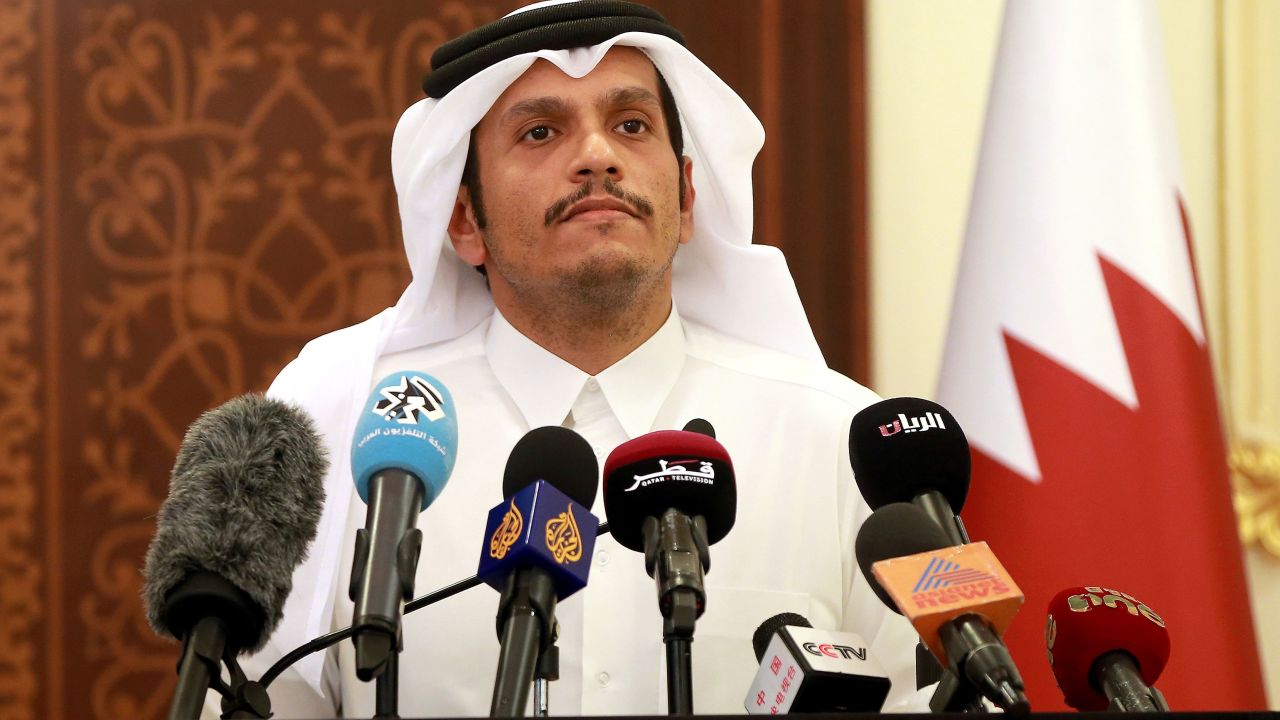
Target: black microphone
{"x": 671, "y": 495}
{"x": 537, "y": 551}
{"x": 959, "y": 600}
{"x": 700, "y": 426}
{"x": 803, "y": 670}
{"x": 912, "y": 450}
{"x": 244, "y": 502}
{"x": 402, "y": 454}
{"x": 894, "y": 530}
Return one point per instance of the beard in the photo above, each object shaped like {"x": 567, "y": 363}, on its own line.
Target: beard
{"x": 597, "y": 291}
{"x": 602, "y": 289}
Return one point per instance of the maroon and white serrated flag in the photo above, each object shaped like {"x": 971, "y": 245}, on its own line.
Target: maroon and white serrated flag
{"x": 1077, "y": 359}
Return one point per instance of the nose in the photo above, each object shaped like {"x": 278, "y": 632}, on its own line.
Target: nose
{"x": 597, "y": 158}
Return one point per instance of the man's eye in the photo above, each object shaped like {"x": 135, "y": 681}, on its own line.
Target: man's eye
{"x": 633, "y": 126}
{"x": 542, "y": 132}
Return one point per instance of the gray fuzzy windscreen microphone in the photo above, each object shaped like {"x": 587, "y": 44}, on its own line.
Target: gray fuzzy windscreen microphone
{"x": 244, "y": 502}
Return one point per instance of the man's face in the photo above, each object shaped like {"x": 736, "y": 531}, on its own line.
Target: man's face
{"x": 580, "y": 186}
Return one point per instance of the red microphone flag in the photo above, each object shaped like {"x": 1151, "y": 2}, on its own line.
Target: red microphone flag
{"x": 1077, "y": 358}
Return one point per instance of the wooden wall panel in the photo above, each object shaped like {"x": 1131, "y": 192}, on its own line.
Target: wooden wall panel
{"x": 21, "y": 572}
{"x": 190, "y": 191}
{"x": 801, "y": 67}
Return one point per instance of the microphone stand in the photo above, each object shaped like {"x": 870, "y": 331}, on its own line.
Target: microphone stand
{"x": 526, "y": 625}
{"x": 676, "y": 554}
{"x": 548, "y": 670}
{"x": 1116, "y": 673}
{"x": 200, "y": 671}
{"x": 326, "y": 641}
{"x": 394, "y": 550}
{"x": 201, "y": 662}
{"x": 244, "y": 698}
{"x": 954, "y": 693}
{"x": 211, "y": 612}
{"x": 387, "y": 690}
{"x": 936, "y": 506}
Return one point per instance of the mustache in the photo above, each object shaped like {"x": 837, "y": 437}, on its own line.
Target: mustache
{"x": 643, "y": 207}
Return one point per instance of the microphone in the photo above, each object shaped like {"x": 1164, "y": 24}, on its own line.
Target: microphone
{"x": 700, "y": 426}
{"x": 537, "y": 551}
{"x": 959, "y": 599}
{"x": 402, "y": 454}
{"x": 1107, "y": 650}
{"x": 670, "y": 494}
{"x": 244, "y": 503}
{"x": 803, "y": 670}
{"x": 912, "y": 450}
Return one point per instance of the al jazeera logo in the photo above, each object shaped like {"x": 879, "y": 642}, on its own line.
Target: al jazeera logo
{"x": 564, "y": 540}
{"x": 507, "y": 533}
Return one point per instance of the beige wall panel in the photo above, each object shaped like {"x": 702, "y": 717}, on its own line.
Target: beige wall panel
{"x": 930, "y": 69}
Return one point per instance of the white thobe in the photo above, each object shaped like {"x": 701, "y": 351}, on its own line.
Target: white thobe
{"x": 785, "y": 424}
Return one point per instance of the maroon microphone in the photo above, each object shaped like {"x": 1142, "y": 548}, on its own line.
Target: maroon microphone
{"x": 654, "y": 473}
{"x": 671, "y": 494}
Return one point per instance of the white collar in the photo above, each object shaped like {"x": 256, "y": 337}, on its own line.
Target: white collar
{"x": 545, "y": 387}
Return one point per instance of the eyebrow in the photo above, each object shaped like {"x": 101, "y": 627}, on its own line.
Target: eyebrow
{"x": 546, "y": 105}
{"x": 634, "y": 95}
{"x": 552, "y": 105}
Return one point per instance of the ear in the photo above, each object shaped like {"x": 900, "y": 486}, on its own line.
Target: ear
{"x": 686, "y": 207}
{"x": 464, "y": 232}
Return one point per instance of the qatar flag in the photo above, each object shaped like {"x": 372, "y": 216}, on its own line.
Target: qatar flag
{"x": 1076, "y": 358}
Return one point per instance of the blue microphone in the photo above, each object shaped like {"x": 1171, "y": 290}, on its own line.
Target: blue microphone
{"x": 403, "y": 452}
{"x": 537, "y": 550}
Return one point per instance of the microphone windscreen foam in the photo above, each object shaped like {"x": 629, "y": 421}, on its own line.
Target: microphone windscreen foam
{"x": 667, "y": 469}
{"x": 1088, "y": 622}
{"x": 895, "y": 530}
{"x": 764, "y": 634}
{"x": 244, "y": 502}
{"x": 408, "y": 423}
{"x": 904, "y": 446}
{"x": 557, "y": 455}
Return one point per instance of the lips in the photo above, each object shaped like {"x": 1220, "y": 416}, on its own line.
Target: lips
{"x": 599, "y": 209}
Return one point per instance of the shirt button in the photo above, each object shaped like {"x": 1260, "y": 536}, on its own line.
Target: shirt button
{"x": 592, "y": 384}
{"x": 603, "y": 678}
{"x": 602, "y": 557}
{"x": 597, "y": 449}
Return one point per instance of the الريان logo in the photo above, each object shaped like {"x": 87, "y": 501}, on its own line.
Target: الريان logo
{"x": 407, "y": 402}
{"x": 924, "y": 423}
{"x": 507, "y": 533}
{"x": 564, "y": 540}
{"x": 676, "y": 470}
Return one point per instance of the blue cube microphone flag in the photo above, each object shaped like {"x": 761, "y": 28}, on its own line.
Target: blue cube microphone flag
{"x": 539, "y": 526}
{"x": 537, "y": 550}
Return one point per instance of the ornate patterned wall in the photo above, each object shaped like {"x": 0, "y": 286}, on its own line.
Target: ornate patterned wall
{"x": 21, "y": 612}
{"x": 190, "y": 191}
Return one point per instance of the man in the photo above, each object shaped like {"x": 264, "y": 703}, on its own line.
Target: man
{"x": 561, "y": 174}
